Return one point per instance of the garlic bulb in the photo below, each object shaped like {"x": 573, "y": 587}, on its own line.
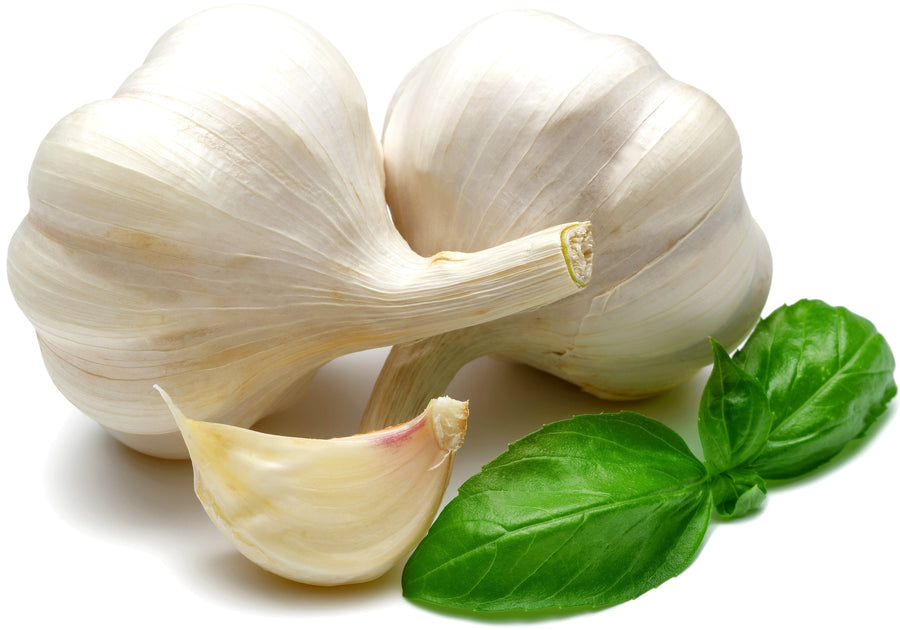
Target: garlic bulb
{"x": 219, "y": 227}
{"x": 325, "y": 511}
{"x": 525, "y": 120}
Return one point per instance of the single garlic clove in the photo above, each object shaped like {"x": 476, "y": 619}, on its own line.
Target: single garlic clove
{"x": 325, "y": 512}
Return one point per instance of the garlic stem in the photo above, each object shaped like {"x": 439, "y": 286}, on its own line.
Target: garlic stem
{"x": 451, "y": 290}
{"x": 325, "y": 512}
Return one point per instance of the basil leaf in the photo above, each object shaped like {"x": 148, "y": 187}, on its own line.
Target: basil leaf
{"x": 737, "y": 492}
{"x": 828, "y": 375}
{"x": 734, "y": 418}
{"x": 586, "y": 512}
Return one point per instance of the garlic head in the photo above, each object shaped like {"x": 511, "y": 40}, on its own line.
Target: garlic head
{"x": 219, "y": 227}
{"x": 525, "y": 120}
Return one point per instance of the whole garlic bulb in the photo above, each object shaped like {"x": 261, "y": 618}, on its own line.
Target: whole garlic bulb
{"x": 526, "y": 119}
{"x": 219, "y": 228}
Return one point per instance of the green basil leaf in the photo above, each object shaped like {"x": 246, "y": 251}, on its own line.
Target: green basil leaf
{"x": 734, "y": 418}
{"x": 737, "y": 492}
{"x": 586, "y": 512}
{"x": 828, "y": 375}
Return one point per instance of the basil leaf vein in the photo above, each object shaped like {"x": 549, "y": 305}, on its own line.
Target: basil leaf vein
{"x": 828, "y": 375}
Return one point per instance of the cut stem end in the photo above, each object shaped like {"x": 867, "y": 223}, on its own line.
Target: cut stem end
{"x": 578, "y": 249}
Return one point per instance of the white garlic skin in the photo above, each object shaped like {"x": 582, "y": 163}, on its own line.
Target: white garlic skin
{"x": 526, "y": 119}
{"x": 219, "y": 227}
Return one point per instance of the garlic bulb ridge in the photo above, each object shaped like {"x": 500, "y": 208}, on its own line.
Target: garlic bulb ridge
{"x": 493, "y": 136}
{"x": 219, "y": 227}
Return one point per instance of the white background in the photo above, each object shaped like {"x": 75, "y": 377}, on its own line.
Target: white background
{"x": 92, "y": 532}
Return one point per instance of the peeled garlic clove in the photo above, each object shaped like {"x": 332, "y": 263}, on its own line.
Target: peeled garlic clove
{"x": 493, "y": 136}
{"x": 219, "y": 227}
{"x": 325, "y": 512}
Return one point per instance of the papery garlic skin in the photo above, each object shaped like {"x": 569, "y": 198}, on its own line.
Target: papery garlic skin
{"x": 219, "y": 227}
{"x": 325, "y": 512}
{"x": 526, "y": 119}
